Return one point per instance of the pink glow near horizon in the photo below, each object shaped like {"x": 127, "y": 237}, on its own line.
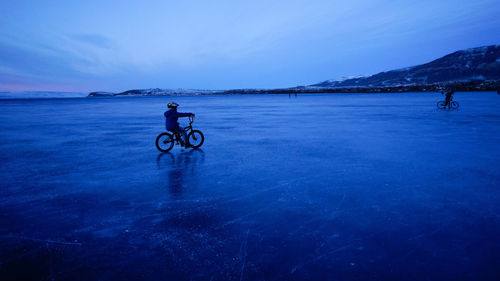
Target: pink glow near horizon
{"x": 34, "y": 87}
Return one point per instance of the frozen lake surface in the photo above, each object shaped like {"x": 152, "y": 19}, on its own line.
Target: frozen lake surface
{"x": 318, "y": 187}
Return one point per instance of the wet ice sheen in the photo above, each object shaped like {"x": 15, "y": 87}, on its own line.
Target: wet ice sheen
{"x": 365, "y": 186}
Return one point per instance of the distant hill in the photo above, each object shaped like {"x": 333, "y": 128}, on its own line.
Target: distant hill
{"x": 476, "y": 64}
{"x": 153, "y": 92}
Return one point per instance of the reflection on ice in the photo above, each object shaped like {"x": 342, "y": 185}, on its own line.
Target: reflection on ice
{"x": 180, "y": 169}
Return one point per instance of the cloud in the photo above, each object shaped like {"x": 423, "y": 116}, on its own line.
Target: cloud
{"x": 92, "y": 39}
{"x": 28, "y": 62}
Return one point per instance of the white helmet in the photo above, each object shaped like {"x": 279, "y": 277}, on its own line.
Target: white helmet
{"x": 172, "y": 105}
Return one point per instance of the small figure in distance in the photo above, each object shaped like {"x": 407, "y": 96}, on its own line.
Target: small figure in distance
{"x": 171, "y": 124}
{"x": 449, "y": 94}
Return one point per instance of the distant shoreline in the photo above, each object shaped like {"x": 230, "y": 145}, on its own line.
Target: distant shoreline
{"x": 19, "y": 98}
{"x": 471, "y": 86}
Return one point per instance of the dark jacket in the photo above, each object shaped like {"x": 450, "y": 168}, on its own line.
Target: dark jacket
{"x": 448, "y": 96}
{"x": 171, "y": 117}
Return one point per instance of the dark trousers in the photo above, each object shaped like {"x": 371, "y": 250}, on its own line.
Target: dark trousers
{"x": 182, "y": 134}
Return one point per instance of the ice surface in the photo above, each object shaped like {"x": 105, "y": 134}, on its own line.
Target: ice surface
{"x": 318, "y": 187}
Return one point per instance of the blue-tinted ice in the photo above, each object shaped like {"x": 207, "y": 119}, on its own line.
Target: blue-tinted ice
{"x": 318, "y": 187}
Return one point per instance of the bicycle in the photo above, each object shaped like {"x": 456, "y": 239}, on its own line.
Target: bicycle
{"x": 451, "y": 104}
{"x": 195, "y": 138}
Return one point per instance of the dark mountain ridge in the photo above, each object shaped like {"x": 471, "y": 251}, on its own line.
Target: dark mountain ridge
{"x": 476, "y": 64}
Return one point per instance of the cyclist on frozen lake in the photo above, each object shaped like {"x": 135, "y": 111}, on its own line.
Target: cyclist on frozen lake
{"x": 449, "y": 94}
{"x": 171, "y": 123}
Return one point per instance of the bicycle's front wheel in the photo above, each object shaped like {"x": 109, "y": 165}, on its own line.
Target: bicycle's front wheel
{"x": 196, "y": 139}
{"x": 164, "y": 142}
{"x": 441, "y": 105}
{"x": 454, "y": 105}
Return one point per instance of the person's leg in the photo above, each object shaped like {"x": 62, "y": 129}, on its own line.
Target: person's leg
{"x": 174, "y": 133}
{"x": 184, "y": 136}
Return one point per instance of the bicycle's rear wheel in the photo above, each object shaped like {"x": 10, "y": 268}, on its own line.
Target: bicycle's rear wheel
{"x": 196, "y": 139}
{"x": 441, "y": 105}
{"x": 164, "y": 142}
{"x": 454, "y": 105}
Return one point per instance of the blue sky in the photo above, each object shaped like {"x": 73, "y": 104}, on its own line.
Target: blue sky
{"x": 119, "y": 45}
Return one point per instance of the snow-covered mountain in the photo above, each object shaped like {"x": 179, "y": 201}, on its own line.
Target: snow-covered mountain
{"x": 154, "y": 92}
{"x": 474, "y": 64}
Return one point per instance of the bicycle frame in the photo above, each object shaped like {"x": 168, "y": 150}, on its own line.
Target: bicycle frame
{"x": 186, "y": 129}
{"x": 451, "y": 104}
